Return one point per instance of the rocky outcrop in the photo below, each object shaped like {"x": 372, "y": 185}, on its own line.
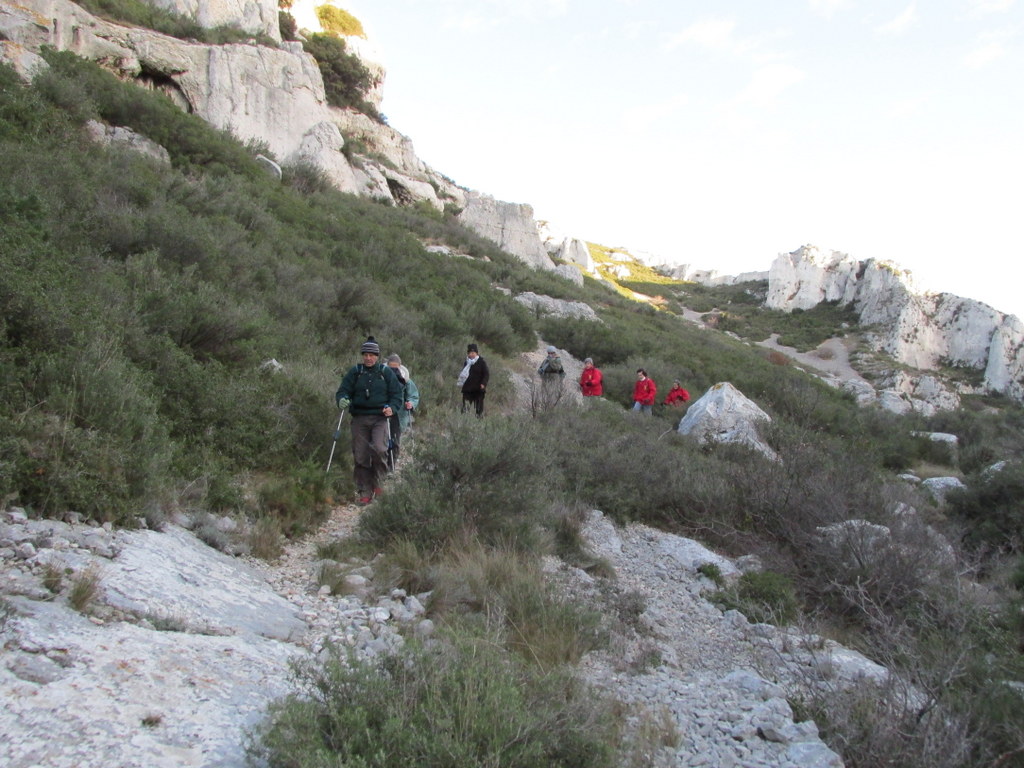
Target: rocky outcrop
{"x": 113, "y": 136}
{"x": 547, "y": 305}
{"x": 179, "y": 652}
{"x": 921, "y": 330}
{"x": 510, "y": 225}
{"x": 254, "y": 16}
{"x": 571, "y": 250}
{"x": 689, "y": 274}
{"x": 725, "y": 415}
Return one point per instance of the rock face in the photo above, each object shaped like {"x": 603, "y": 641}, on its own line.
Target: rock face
{"x": 273, "y": 95}
{"x": 510, "y": 225}
{"x": 123, "y": 137}
{"x": 255, "y": 16}
{"x": 558, "y": 307}
{"x": 725, "y": 415}
{"x": 922, "y": 330}
{"x": 690, "y": 274}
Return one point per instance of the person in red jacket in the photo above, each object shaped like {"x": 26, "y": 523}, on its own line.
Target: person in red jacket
{"x": 677, "y": 395}
{"x": 590, "y": 379}
{"x": 644, "y": 392}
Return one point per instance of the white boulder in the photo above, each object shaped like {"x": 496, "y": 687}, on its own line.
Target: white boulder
{"x": 725, "y": 415}
{"x": 940, "y": 487}
{"x": 117, "y": 136}
{"x": 548, "y": 305}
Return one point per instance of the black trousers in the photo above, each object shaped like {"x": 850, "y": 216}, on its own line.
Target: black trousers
{"x": 474, "y": 398}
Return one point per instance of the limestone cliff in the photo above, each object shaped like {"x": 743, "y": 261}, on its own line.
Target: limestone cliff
{"x": 269, "y": 93}
{"x": 919, "y": 329}
{"x": 510, "y": 225}
{"x": 255, "y": 16}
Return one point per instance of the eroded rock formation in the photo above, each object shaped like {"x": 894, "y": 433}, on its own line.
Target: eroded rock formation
{"x": 923, "y": 330}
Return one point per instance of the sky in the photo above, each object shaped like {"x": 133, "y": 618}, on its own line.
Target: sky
{"x": 720, "y": 134}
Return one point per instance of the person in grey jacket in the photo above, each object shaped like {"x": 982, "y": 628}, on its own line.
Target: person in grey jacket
{"x": 401, "y": 422}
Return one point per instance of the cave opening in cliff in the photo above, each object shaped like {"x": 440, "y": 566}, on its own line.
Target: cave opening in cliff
{"x": 402, "y": 195}
{"x": 165, "y": 84}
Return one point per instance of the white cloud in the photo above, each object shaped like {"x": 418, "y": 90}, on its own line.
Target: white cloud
{"x": 910, "y": 107}
{"x": 900, "y": 24}
{"x": 487, "y": 14}
{"x": 642, "y": 116}
{"x": 984, "y": 7}
{"x": 828, "y": 8}
{"x": 768, "y": 82}
{"x": 989, "y": 48}
{"x": 715, "y": 34}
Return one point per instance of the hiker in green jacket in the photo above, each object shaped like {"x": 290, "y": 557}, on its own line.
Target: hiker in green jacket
{"x": 371, "y": 392}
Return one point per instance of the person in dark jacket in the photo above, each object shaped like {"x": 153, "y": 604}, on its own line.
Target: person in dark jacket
{"x": 591, "y": 380}
{"x": 473, "y": 380}
{"x": 372, "y": 394}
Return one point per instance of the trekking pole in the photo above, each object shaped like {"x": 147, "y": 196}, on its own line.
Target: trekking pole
{"x": 337, "y": 434}
{"x": 391, "y": 448}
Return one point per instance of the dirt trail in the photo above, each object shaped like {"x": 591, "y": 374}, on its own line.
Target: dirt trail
{"x": 831, "y": 358}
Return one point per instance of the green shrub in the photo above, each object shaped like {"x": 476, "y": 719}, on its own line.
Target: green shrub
{"x": 511, "y": 590}
{"x": 713, "y": 572}
{"x": 1017, "y": 578}
{"x": 471, "y": 479}
{"x": 763, "y": 597}
{"x": 7, "y": 611}
{"x": 465, "y": 704}
{"x": 346, "y": 78}
{"x": 288, "y": 26}
{"x": 297, "y": 501}
{"x": 992, "y": 506}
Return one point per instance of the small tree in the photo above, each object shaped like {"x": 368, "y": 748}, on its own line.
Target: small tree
{"x": 346, "y": 80}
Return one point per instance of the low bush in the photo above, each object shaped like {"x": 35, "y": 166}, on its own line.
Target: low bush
{"x": 471, "y": 479}
{"x": 463, "y": 702}
{"x": 511, "y": 591}
{"x": 992, "y": 507}
{"x": 84, "y": 590}
{"x": 297, "y": 501}
{"x": 763, "y": 597}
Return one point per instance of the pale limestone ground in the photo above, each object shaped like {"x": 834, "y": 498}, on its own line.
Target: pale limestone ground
{"x": 831, "y": 358}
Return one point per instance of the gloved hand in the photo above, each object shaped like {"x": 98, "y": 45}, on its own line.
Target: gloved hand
{"x": 343, "y": 403}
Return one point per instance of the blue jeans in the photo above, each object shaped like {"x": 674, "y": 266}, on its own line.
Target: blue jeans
{"x": 639, "y": 407}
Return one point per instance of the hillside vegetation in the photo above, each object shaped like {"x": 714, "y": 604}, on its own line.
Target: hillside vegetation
{"x": 138, "y": 307}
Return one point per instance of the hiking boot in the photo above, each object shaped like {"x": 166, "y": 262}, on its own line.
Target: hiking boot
{"x": 365, "y": 498}
{"x": 378, "y": 492}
